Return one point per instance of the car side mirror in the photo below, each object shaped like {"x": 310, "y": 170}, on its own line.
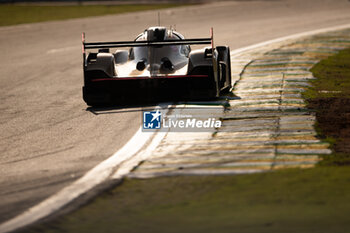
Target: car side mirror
{"x": 121, "y": 56}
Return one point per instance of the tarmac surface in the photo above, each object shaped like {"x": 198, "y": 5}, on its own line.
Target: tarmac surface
{"x": 49, "y": 138}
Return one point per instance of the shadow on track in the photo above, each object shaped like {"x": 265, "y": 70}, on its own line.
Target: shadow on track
{"x": 111, "y": 109}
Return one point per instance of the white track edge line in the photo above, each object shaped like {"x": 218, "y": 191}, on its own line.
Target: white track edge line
{"x": 287, "y": 38}
{"x": 100, "y": 173}
{"x": 105, "y": 168}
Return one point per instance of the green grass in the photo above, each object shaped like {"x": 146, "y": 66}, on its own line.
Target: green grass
{"x": 18, "y": 14}
{"x": 329, "y": 97}
{"x": 295, "y": 200}
{"x": 333, "y": 77}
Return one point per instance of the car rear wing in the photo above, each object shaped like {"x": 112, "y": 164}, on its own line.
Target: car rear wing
{"x": 106, "y": 45}
{"x": 102, "y": 45}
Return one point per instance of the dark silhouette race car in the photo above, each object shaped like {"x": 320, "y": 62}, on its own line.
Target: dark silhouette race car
{"x": 159, "y": 65}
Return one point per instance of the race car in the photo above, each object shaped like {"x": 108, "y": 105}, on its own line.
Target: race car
{"x": 159, "y": 65}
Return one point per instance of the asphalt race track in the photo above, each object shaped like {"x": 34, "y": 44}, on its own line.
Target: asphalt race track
{"x": 48, "y": 136}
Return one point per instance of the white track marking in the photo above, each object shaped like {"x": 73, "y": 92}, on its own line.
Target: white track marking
{"x": 99, "y": 174}
{"x": 288, "y": 38}
{"x": 123, "y": 160}
{"x": 128, "y": 165}
{"x": 61, "y": 50}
